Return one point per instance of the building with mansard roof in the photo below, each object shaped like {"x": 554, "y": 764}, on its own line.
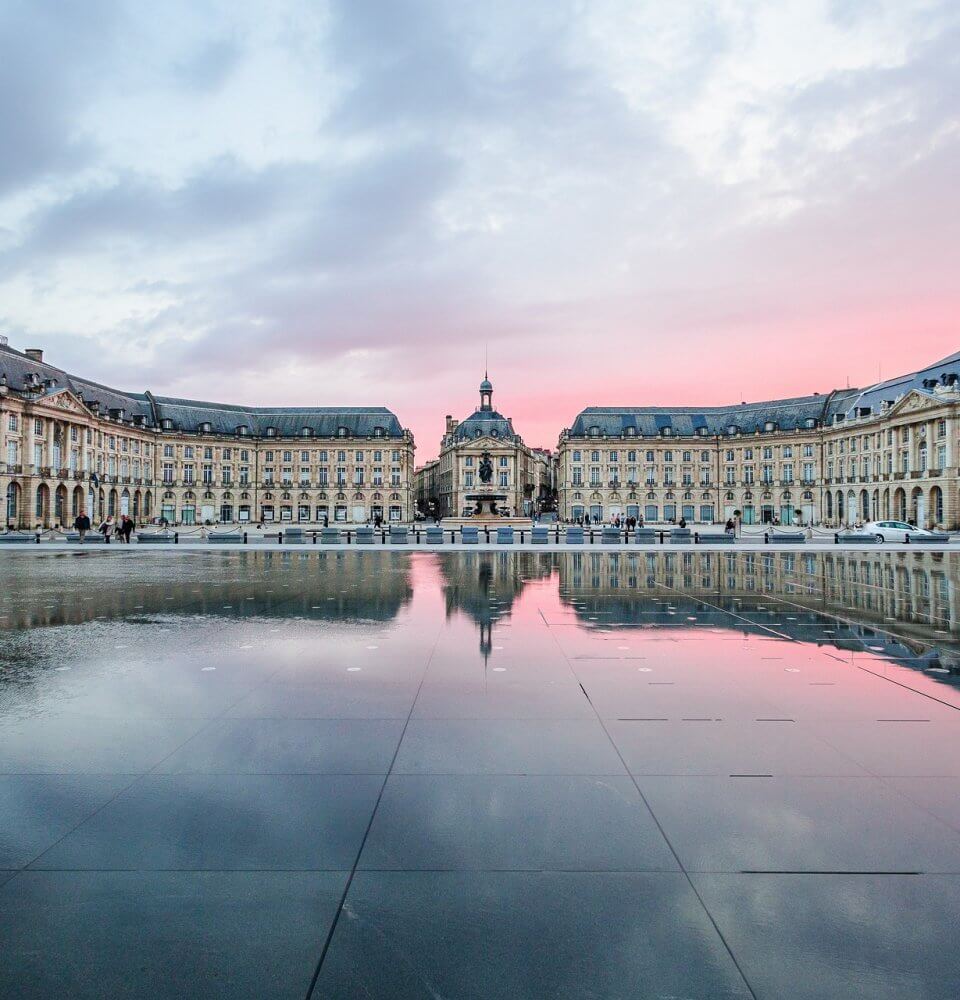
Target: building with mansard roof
{"x": 889, "y": 451}
{"x": 71, "y": 444}
{"x": 486, "y": 439}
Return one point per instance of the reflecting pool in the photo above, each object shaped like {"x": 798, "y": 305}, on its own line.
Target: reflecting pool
{"x": 479, "y": 775}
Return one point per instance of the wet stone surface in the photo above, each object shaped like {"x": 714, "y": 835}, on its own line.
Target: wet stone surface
{"x": 479, "y": 775}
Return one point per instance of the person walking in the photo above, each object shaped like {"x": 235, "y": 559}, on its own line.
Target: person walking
{"x": 106, "y": 528}
{"x": 82, "y": 524}
{"x": 730, "y": 528}
{"x": 127, "y": 529}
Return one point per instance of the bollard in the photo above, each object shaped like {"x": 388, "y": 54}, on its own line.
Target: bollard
{"x": 696, "y": 538}
{"x": 661, "y": 536}
{"x": 383, "y": 536}
{"x": 836, "y": 538}
{"x": 486, "y": 533}
{"x": 176, "y": 538}
{"x": 279, "y": 538}
{"x": 314, "y": 542}
{"x": 766, "y": 539}
{"x": 591, "y": 536}
{"x": 244, "y": 538}
{"x": 521, "y": 536}
{"x": 557, "y": 535}
{"x": 906, "y": 538}
{"x": 416, "y": 535}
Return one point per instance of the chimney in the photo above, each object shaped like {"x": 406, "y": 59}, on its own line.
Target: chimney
{"x": 35, "y": 354}
{"x": 451, "y": 424}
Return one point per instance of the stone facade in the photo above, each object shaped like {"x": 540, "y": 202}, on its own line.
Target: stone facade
{"x": 516, "y": 472}
{"x": 891, "y": 450}
{"x": 67, "y": 444}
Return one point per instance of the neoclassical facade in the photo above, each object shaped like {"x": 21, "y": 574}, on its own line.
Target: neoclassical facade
{"x": 852, "y": 455}
{"x": 69, "y": 444}
{"x": 485, "y": 443}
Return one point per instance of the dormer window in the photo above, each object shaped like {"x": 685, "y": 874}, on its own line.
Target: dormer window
{"x": 667, "y": 431}
{"x": 494, "y": 432}
{"x": 306, "y": 432}
{"x": 206, "y": 427}
{"x": 769, "y": 425}
{"x": 242, "y": 430}
{"x": 166, "y": 424}
{"x": 732, "y": 430}
{"x": 342, "y": 432}
{"x": 703, "y": 431}
{"x": 631, "y": 432}
{"x": 378, "y": 432}
{"x": 810, "y": 423}
{"x": 594, "y": 431}
{"x": 271, "y": 432}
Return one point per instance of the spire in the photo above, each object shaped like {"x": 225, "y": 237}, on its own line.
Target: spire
{"x": 486, "y": 393}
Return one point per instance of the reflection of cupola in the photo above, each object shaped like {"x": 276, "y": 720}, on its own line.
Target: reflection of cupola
{"x": 486, "y": 394}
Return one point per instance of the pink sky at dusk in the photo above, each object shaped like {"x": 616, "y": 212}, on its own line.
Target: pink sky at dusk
{"x": 352, "y": 202}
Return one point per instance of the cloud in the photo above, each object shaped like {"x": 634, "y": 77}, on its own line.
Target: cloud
{"x": 349, "y": 203}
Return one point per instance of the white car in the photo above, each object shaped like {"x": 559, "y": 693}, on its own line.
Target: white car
{"x": 893, "y": 531}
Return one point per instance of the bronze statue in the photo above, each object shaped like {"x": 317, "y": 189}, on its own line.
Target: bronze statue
{"x": 486, "y": 468}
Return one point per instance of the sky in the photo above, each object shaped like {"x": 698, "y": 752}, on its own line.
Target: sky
{"x": 357, "y": 202}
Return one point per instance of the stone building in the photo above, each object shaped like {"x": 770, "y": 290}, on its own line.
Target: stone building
{"x": 847, "y": 456}
{"x": 485, "y": 436}
{"x": 68, "y": 444}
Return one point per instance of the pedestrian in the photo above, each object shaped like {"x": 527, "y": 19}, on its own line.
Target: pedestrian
{"x": 730, "y": 528}
{"x": 82, "y": 524}
{"x": 106, "y": 528}
{"x": 127, "y": 529}
{"x": 683, "y": 522}
{"x": 118, "y": 529}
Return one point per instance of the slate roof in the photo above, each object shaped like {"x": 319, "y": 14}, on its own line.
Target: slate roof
{"x": 787, "y": 414}
{"x": 889, "y": 391}
{"x": 189, "y": 414}
{"x": 482, "y": 422}
{"x": 685, "y": 421}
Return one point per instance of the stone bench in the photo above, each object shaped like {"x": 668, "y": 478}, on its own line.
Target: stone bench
{"x": 330, "y": 536}
{"x": 610, "y": 535}
{"x": 539, "y": 534}
{"x": 713, "y": 538}
{"x": 364, "y": 535}
{"x": 850, "y": 538}
{"x": 92, "y": 538}
{"x": 16, "y": 539}
{"x": 434, "y": 534}
{"x": 156, "y": 538}
{"x": 505, "y": 534}
{"x": 680, "y": 536}
{"x": 226, "y": 537}
{"x": 470, "y": 534}
{"x": 936, "y": 537}
{"x": 644, "y": 536}
{"x": 294, "y": 536}
{"x": 786, "y": 537}
{"x": 398, "y": 535}
{"x": 574, "y": 535}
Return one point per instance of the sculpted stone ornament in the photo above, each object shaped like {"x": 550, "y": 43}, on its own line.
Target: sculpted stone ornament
{"x": 486, "y": 468}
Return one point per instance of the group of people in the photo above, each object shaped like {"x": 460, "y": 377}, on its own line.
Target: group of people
{"x": 121, "y": 529}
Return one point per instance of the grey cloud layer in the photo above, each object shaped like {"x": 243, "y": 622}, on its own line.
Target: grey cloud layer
{"x": 443, "y": 176}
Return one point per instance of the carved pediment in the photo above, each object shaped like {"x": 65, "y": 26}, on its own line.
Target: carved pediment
{"x": 64, "y": 400}
{"x": 914, "y": 401}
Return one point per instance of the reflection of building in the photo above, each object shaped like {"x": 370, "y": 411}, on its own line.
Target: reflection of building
{"x": 916, "y": 595}
{"x": 889, "y": 451}
{"x": 485, "y": 436}
{"x": 484, "y": 585}
{"x": 69, "y": 444}
{"x": 314, "y": 586}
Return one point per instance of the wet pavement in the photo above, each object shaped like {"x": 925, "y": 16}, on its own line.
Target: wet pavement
{"x": 479, "y": 775}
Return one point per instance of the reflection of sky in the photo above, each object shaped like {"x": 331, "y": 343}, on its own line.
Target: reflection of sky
{"x": 247, "y": 713}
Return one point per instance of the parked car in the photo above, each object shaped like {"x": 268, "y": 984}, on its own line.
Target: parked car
{"x": 893, "y": 531}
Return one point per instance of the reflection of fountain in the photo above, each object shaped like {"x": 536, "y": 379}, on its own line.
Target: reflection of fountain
{"x": 484, "y": 585}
